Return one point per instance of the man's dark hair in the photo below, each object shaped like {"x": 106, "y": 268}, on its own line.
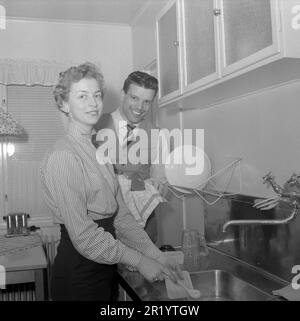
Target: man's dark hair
{"x": 141, "y": 79}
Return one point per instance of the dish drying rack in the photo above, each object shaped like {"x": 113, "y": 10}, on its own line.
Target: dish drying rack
{"x": 209, "y": 187}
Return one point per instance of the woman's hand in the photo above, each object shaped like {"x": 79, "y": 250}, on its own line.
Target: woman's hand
{"x": 266, "y": 204}
{"x": 175, "y": 272}
{"x": 153, "y": 270}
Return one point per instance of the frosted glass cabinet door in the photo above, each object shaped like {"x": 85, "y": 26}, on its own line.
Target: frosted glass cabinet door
{"x": 248, "y": 29}
{"x": 199, "y": 36}
{"x": 168, "y": 52}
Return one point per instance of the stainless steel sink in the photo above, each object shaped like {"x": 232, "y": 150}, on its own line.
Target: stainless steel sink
{"x": 221, "y": 278}
{"x": 219, "y": 285}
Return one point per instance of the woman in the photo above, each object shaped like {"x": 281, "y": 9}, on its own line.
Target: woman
{"x": 97, "y": 231}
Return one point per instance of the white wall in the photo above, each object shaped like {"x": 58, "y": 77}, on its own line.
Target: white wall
{"x": 143, "y": 35}
{"x": 263, "y": 129}
{"x": 111, "y": 45}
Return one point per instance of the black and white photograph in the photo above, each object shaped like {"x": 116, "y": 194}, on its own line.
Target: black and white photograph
{"x": 149, "y": 154}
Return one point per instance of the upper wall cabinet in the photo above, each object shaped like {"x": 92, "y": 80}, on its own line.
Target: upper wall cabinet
{"x": 249, "y": 32}
{"x": 202, "y": 44}
{"x": 169, "y": 59}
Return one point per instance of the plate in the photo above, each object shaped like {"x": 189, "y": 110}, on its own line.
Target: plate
{"x": 187, "y": 166}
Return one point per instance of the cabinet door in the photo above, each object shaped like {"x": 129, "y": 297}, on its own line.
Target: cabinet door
{"x": 168, "y": 52}
{"x": 200, "y": 43}
{"x": 249, "y": 32}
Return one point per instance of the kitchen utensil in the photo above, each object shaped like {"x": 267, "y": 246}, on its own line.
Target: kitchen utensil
{"x": 190, "y": 246}
{"x": 16, "y": 224}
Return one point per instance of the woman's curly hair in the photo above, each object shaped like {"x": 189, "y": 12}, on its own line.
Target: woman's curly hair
{"x": 72, "y": 75}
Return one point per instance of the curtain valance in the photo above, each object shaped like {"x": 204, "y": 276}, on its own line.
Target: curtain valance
{"x": 31, "y": 72}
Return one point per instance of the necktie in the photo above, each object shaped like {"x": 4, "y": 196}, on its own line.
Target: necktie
{"x": 130, "y": 128}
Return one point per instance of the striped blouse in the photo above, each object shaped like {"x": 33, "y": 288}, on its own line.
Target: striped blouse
{"x": 78, "y": 191}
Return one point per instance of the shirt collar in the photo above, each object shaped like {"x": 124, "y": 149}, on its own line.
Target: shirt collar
{"x": 79, "y": 131}
{"x": 118, "y": 117}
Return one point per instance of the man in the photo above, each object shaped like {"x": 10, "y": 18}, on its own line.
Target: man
{"x": 142, "y": 184}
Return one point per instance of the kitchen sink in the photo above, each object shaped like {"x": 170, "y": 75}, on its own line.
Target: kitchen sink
{"x": 221, "y": 278}
{"x": 219, "y": 285}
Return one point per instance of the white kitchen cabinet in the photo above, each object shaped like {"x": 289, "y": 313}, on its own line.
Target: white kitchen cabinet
{"x": 249, "y": 32}
{"x": 187, "y": 47}
{"x": 200, "y": 43}
{"x": 169, "y": 55}
{"x": 203, "y": 44}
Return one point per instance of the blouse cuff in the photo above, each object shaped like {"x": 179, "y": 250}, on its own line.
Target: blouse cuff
{"x": 131, "y": 257}
{"x": 155, "y": 253}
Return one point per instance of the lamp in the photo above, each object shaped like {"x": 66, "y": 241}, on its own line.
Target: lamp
{"x": 9, "y": 126}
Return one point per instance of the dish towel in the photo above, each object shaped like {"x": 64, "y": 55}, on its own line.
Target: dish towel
{"x": 10, "y": 245}
{"x": 289, "y": 293}
{"x": 140, "y": 203}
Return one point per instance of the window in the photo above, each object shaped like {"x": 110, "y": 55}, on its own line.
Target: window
{"x": 35, "y": 109}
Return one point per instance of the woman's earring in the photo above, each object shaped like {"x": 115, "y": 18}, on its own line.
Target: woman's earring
{"x": 66, "y": 113}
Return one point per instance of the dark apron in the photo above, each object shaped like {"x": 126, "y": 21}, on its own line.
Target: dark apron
{"x": 75, "y": 278}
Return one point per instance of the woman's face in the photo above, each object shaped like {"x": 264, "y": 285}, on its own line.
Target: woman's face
{"x": 85, "y": 102}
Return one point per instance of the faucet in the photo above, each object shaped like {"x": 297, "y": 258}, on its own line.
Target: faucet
{"x": 289, "y": 193}
{"x": 269, "y": 179}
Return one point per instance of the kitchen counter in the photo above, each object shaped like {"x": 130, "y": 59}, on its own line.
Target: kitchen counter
{"x": 138, "y": 288}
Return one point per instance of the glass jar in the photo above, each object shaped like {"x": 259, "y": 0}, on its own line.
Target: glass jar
{"x": 194, "y": 250}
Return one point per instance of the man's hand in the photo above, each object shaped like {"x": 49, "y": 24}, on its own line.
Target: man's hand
{"x": 266, "y": 204}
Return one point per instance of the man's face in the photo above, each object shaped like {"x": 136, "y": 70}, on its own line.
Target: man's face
{"x": 136, "y": 103}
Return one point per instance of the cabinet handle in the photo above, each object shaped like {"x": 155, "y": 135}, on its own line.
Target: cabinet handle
{"x": 217, "y": 12}
{"x": 176, "y": 43}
